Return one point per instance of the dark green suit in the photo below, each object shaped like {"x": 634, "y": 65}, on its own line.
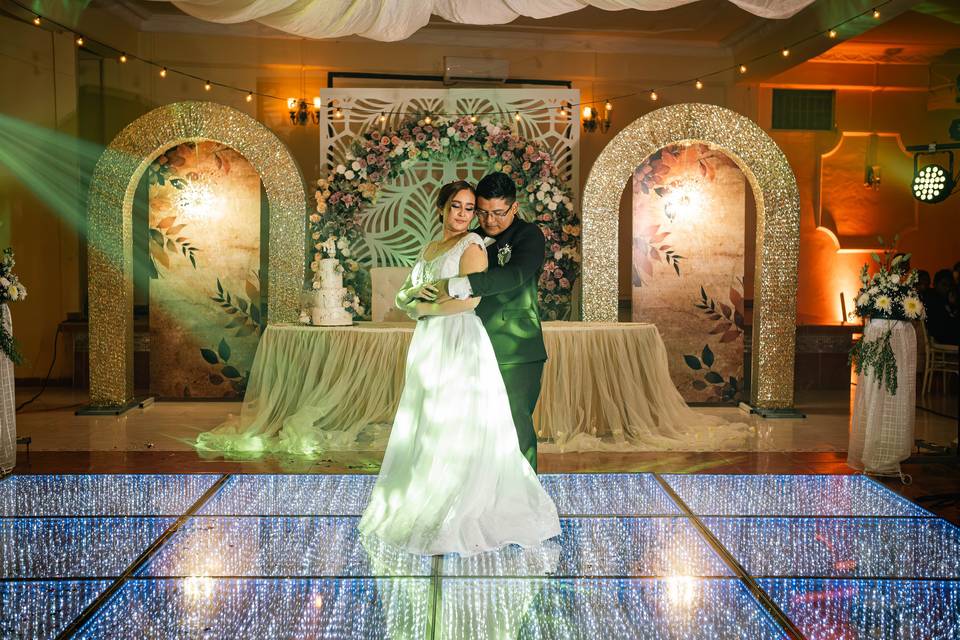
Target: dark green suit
{"x": 511, "y": 315}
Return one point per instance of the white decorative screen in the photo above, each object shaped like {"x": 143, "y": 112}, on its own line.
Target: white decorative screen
{"x": 403, "y": 219}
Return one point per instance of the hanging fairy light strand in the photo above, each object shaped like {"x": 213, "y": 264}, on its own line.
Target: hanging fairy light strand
{"x": 567, "y": 109}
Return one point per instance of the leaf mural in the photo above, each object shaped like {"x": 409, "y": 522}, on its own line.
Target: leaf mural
{"x": 165, "y": 240}
{"x": 649, "y": 247}
{"x": 248, "y": 317}
{"x": 724, "y": 389}
{"x": 225, "y": 373}
{"x": 728, "y": 317}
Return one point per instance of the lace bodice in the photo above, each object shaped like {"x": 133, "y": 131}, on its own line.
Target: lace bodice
{"x": 445, "y": 265}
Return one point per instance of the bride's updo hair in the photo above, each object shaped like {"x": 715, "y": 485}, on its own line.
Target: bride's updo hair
{"x": 446, "y": 193}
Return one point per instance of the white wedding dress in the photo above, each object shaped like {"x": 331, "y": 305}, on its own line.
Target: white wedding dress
{"x": 453, "y": 479}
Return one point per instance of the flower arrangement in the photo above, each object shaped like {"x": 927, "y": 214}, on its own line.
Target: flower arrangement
{"x": 11, "y": 290}
{"x": 889, "y": 294}
{"x": 384, "y": 155}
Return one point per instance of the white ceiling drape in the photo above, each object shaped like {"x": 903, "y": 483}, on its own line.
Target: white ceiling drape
{"x": 391, "y": 20}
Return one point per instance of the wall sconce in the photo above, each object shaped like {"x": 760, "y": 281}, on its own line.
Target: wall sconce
{"x": 300, "y": 112}
{"x": 593, "y": 118}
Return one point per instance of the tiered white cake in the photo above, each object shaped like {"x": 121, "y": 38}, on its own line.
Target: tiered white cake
{"x": 328, "y": 299}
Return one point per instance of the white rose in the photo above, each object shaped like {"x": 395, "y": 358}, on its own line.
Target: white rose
{"x": 4, "y": 282}
{"x": 451, "y": 131}
{"x": 863, "y": 300}
{"x": 350, "y": 175}
{"x": 552, "y": 206}
{"x": 341, "y": 168}
{"x": 558, "y": 197}
{"x": 540, "y": 195}
{"x": 356, "y": 165}
{"x": 894, "y": 278}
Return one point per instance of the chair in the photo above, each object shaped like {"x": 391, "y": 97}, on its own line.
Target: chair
{"x": 939, "y": 357}
{"x": 385, "y": 282}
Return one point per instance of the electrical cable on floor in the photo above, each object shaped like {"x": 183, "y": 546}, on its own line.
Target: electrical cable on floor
{"x": 46, "y": 380}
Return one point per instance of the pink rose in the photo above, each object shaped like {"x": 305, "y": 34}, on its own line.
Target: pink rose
{"x": 526, "y": 166}
{"x": 395, "y": 140}
{"x": 384, "y": 140}
{"x": 551, "y": 285}
{"x": 564, "y": 283}
{"x": 555, "y": 247}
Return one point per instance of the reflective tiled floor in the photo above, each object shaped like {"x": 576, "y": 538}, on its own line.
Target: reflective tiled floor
{"x": 640, "y": 556}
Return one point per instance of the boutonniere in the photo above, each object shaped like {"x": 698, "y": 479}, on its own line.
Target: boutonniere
{"x": 503, "y": 256}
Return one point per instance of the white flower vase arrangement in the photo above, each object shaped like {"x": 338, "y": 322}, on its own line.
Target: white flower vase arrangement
{"x": 889, "y": 294}
{"x": 885, "y": 359}
{"x": 11, "y": 290}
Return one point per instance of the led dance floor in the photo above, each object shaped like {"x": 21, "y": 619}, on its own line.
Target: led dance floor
{"x": 640, "y": 556}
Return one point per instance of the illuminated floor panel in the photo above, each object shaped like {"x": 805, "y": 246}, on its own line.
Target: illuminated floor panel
{"x": 42, "y": 609}
{"x": 875, "y": 609}
{"x": 101, "y": 495}
{"x": 842, "y": 547}
{"x": 789, "y": 495}
{"x": 622, "y": 494}
{"x": 603, "y": 547}
{"x": 264, "y": 609}
{"x": 74, "y": 547}
{"x": 651, "y": 609}
{"x": 278, "y": 556}
{"x": 280, "y": 495}
{"x": 279, "y": 546}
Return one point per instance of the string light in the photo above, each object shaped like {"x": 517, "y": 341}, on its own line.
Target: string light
{"x": 428, "y": 119}
{"x": 383, "y": 118}
{"x": 564, "y": 111}
{"x": 207, "y": 86}
{"x": 517, "y": 117}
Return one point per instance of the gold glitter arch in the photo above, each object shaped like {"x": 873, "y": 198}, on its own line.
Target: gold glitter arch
{"x": 110, "y": 227}
{"x": 778, "y": 228}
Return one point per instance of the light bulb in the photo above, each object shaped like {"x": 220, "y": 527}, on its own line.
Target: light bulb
{"x": 473, "y": 118}
{"x": 207, "y": 86}
{"x": 743, "y": 68}
{"x": 699, "y": 85}
{"x": 36, "y": 20}
{"x": 608, "y": 106}
{"x": 79, "y": 41}
{"x": 785, "y": 53}
{"x": 163, "y": 72}
{"x": 291, "y": 103}
{"x": 654, "y": 96}
{"x": 123, "y": 58}
{"x": 876, "y": 14}
{"x": 832, "y": 33}
{"x": 516, "y": 117}
{"x": 428, "y": 119}
{"x": 383, "y": 118}
{"x": 587, "y": 112}
{"x": 317, "y": 102}
{"x": 250, "y": 97}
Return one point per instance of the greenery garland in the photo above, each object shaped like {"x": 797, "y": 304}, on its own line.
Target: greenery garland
{"x": 10, "y": 346}
{"x": 876, "y": 357}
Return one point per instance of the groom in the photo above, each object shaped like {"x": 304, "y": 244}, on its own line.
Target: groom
{"x": 509, "y": 308}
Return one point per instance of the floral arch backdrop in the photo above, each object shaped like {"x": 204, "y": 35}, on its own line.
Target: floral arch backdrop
{"x": 380, "y": 156}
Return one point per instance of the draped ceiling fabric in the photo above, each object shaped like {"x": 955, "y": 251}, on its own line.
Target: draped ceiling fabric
{"x": 390, "y": 20}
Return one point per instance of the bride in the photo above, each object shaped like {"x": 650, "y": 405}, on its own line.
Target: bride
{"x": 453, "y": 479}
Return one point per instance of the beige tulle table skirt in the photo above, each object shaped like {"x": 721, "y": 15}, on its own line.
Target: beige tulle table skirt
{"x": 606, "y": 386}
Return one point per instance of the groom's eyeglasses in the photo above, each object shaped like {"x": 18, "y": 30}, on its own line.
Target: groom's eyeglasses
{"x": 497, "y": 213}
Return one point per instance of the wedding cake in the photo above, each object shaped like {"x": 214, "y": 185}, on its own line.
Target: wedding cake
{"x": 328, "y": 298}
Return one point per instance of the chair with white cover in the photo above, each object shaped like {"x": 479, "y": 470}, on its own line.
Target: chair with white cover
{"x": 385, "y": 283}
{"x": 939, "y": 358}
